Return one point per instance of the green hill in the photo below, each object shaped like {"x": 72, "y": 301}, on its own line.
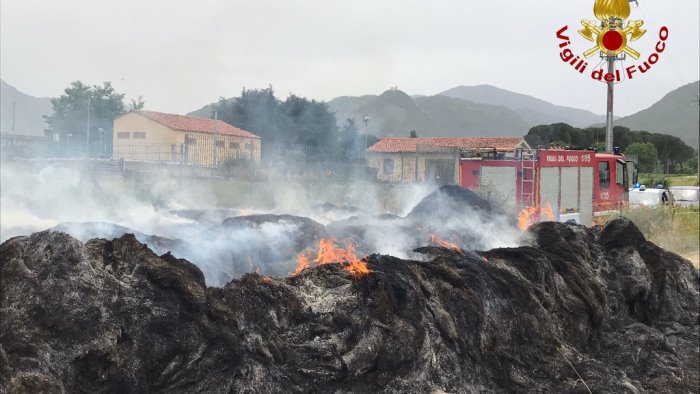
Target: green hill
{"x": 394, "y": 113}
{"x": 675, "y": 114}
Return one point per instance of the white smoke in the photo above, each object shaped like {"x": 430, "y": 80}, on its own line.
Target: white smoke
{"x": 185, "y": 216}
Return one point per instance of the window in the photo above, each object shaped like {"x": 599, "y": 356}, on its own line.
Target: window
{"x": 140, "y": 135}
{"x": 604, "y": 174}
{"x": 190, "y": 141}
{"x": 234, "y": 145}
{"x": 123, "y": 135}
{"x": 220, "y": 144}
{"x": 388, "y": 166}
{"x": 620, "y": 173}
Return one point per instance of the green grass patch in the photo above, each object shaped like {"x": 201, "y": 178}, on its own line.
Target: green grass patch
{"x": 668, "y": 180}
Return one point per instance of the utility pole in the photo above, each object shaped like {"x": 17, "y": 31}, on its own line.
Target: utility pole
{"x": 13, "y": 123}
{"x": 88, "y": 124}
{"x": 366, "y": 120}
{"x": 698, "y": 147}
{"x": 609, "y": 112}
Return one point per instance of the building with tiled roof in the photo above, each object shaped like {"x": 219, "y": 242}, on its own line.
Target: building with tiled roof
{"x": 431, "y": 159}
{"x": 500, "y": 144}
{"x": 158, "y": 136}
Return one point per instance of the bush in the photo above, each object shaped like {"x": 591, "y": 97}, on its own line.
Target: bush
{"x": 652, "y": 180}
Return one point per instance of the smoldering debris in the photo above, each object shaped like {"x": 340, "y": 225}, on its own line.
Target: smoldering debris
{"x": 576, "y": 310}
{"x": 226, "y": 247}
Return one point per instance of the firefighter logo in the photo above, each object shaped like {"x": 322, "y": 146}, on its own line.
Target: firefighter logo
{"x": 611, "y": 34}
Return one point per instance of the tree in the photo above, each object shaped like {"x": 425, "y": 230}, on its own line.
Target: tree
{"x": 350, "y": 141}
{"x": 255, "y": 111}
{"x": 137, "y": 104}
{"x": 296, "y": 120}
{"x": 646, "y": 155}
{"x": 413, "y": 134}
{"x": 599, "y": 146}
{"x": 70, "y": 115}
{"x": 671, "y": 151}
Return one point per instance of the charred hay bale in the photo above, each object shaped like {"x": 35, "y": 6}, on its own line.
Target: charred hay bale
{"x": 113, "y": 316}
{"x": 209, "y": 216}
{"x": 85, "y": 231}
{"x": 307, "y": 231}
{"x": 268, "y": 243}
{"x": 368, "y": 233}
{"x": 652, "y": 285}
{"x": 105, "y": 317}
{"x": 447, "y": 200}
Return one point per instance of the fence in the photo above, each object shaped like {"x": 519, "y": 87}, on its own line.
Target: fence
{"x": 208, "y": 156}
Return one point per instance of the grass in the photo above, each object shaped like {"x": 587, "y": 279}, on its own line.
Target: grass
{"x": 668, "y": 180}
{"x": 673, "y": 228}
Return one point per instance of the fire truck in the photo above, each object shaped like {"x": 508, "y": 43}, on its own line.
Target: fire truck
{"x": 550, "y": 184}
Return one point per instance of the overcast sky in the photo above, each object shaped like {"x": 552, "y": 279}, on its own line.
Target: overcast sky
{"x": 182, "y": 55}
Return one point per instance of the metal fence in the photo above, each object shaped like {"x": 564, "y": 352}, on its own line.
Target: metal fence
{"x": 208, "y": 156}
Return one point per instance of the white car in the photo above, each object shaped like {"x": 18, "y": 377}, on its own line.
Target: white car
{"x": 686, "y": 196}
{"x": 649, "y": 197}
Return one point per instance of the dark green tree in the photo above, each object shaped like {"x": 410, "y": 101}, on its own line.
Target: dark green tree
{"x": 349, "y": 137}
{"x": 255, "y": 111}
{"x": 70, "y": 115}
{"x": 672, "y": 151}
{"x": 413, "y": 134}
{"x": 296, "y": 120}
{"x": 646, "y": 155}
{"x": 137, "y": 104}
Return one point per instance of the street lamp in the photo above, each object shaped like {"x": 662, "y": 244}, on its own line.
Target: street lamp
{"x": 365, "y": 119}
{"x": 102, "y": 147}
{"x": 88, "y": 123}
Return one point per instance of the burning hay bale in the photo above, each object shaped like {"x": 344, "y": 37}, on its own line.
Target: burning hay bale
{"x": 449, "y": 199}
{"x": 84, "y": 231}
{"x": 613, "y": 312}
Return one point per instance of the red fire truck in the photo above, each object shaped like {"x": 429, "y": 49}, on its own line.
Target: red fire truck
{"x": 550, "y": 184}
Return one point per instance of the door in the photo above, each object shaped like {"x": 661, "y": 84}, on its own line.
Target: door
{"x": 549, "y": 190}
{"x": 498, "y": 185}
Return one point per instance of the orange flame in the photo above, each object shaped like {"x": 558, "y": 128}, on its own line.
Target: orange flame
{"x": 445, "y": 244}
{"x": 302, "y": 263}
{"x": 531, "y": 215}
{"x": 329, "y": 253}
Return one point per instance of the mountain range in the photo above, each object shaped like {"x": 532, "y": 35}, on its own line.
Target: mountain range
{"x": 486, "y": 110}
{"x": 481, "y": 110}
{"x": 532, "y": 110}
{"x": 675, "y": 114}
{"x": 28, "y": 111}
{"x": 395, "y": 114}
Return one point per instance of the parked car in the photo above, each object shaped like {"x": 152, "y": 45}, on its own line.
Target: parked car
{"x": 644, "y": 196}
{"x": 686, "y": 196}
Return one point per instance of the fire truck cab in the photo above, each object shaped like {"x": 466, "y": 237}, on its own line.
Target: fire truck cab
{"x": 550, "y": 184}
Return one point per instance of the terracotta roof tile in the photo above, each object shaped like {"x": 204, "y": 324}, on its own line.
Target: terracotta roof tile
{"x": 196, "y": 124}
{"x": 395, "y": 145}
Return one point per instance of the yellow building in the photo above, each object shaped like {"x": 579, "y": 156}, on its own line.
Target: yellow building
{"x": 157, "y": 136}
{"x": 413, "y": 160}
